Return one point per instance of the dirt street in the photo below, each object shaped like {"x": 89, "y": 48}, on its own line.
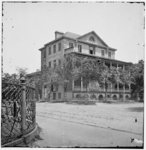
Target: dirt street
{"x": 100, "y": 125}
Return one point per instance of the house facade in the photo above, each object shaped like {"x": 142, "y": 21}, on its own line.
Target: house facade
{"x": 87, "y": 45}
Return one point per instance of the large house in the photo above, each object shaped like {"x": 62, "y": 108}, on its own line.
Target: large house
{"x": 87, "y": 45}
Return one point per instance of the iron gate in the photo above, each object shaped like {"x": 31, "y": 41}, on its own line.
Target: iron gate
{"x": 18, "y": 111}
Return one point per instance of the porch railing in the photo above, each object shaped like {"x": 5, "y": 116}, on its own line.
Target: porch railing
{"x": 78, "y": 88}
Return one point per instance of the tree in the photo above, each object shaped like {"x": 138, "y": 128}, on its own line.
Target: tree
{"x": 67, "y": 71}
{"x": 49, "y": 77}
{"x": 90, "y": 69}
{"x": 106, "y": 77}
{"x": 10, "y": 78}
{"x": 137, "y": 71}
{"x": 21, "y": 71}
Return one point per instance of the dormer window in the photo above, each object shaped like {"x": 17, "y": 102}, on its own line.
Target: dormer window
{"x": 109, "y": 54}
{"x": 91, "y": 39}
{"x": 80, "y": 48}
{"x": 102, "y": 53}
{"x": 91, "y": 50}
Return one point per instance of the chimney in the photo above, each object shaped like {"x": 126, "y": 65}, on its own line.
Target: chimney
{"x": 58, "y": 34}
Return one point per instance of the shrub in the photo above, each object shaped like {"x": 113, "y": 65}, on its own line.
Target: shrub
{"x": 93, "y": 96}
{"x": 78, "y": 96}
{"x": 85, "y": 96}
{"x": 115, "y": 97}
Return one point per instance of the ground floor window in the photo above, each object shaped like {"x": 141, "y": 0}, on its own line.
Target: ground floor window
{"x": 121, "y": 96}
{"x": 59, "y": 95}
{"x": 115, "y": 97}
{"x": 108, "y": 96}
{"x": 100, "y": 97}
{"x": 54, "y": 96}
{"x": 127, "y": 97}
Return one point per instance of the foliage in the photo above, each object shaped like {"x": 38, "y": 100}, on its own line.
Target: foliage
{"x": 11, "y": 78}
{"x": 15, "y": 77}
{"x": 21, "y": 71}
{"x": 137, "y": 71}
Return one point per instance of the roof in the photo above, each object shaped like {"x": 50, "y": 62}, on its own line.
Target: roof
{"x": 95, "y": 35}
{"x": 33, "y": 74}
{"x": 103, "y": 58}
{"x": 74, "y": 36}
{"x": 71, "y": 35}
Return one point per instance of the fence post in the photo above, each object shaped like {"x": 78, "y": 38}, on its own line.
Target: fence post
{"x": 23, "y": 105}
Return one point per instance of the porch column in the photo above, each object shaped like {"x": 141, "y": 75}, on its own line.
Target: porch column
{"x": 110, "y": 64}
{"x": 111, "y": 87}
{"x": 72, "y": 85}
{"x": 130, "y": 87}
{"x": 104, "y": 87}
{"x": 72, "y": 88}
{"x": 81, "y": 84}
{"x": 117, "y": 82}
{"x": 124, "y": 92}
{"x": 111, "y": 91}
{"x": 43, "y": 93}
{"x": 124, "y": 85}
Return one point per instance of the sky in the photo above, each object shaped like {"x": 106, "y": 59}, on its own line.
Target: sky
{"x": 28, "y": 26}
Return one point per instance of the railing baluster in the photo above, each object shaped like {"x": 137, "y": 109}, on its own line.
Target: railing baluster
{"x": 23, "y": 109}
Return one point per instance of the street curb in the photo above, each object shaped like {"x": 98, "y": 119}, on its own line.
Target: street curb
{"x": 24, "y": 139}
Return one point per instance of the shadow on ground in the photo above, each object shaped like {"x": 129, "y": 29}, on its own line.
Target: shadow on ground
{"x": 135, "y": 109}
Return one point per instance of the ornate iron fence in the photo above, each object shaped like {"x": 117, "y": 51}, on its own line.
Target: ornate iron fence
{"x": 18, "y": 111}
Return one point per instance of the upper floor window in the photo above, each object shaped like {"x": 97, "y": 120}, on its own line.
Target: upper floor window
{"x": 49, "y": 50}
{"x": 91, "y": 39}
{"x": 109, "y": 54}
{"x": 49, "y": 64}
{"x": 54, "y": 63}
{"x": 44, "y": 53}
{"x": 44, "y": 66}
{"x": 102, "y": 52}
{"x": 80, "y": 48}
{"x": 59, "y": 46}
{"x": 59, "y": 95}
{"x": 54, "y": 48}
{"x": 91, "y": 50}
{"x": 59, "y": 62}
{"x": 71, "y": 45}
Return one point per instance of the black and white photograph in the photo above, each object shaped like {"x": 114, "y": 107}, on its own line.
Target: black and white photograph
{"x": 72, "y": 74}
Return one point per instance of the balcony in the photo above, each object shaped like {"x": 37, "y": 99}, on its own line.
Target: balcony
{"x": 78, "y": 88}
{"x": 71, "y": 49}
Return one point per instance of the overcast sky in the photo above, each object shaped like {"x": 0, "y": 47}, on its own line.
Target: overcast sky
{"x": 28, "y": 26}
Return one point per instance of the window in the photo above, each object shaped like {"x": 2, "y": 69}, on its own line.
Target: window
{"x": 49, "y": 64}
{"x": 49, "y": 50}
{"x": 80, "y": 48}
{"x": 44, "y": 53}
{"x": 109, "y": 54}
{"x": 59, "y": 62}
{"x": 59, "y": 95}
{"x": 92, "y": 39}
{"x": 59, "y": 46}
{"x": 44, "y": 66}
{"x": 102, "y": 52}
{"x": 54, "y": 96}
{"x": 70, "y": 45}
{"x": 54, "y": 48}
{"x": 91, "y": 50}
{"x": 54, "y": 63}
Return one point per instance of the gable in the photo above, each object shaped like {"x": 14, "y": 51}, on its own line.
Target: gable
{"x": 92, "y": 37}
